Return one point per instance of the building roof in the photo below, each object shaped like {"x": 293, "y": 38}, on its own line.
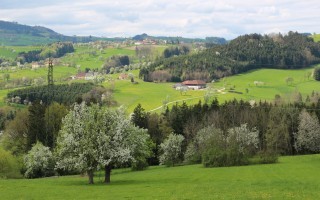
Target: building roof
{"x": 194, "y": 82}
{"x": 81, "y": 74}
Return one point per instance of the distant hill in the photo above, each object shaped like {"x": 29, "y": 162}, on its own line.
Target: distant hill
{"x": 14, "y": 34}
{"x": 247, "y": 52}
{"x": 175, "y": 40}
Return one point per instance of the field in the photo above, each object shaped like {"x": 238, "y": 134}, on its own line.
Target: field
{"x": 83, "y": 56}
{"x": 273, "y": 82}
{"x": 295, "y": 177}
{"x": 152, "y": 95}
{"x": 316, "y": 37}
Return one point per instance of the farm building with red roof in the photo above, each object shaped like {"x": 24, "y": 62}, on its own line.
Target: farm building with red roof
{"x": 194, "y": 84}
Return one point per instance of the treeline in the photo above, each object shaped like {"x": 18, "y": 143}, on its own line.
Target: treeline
{"x": 176, "y": 51}
{"x": 271, "y": 129}
{"x": 115, "y": 62}
{"x": 291, "y": 51}
{"x": 54, "y": 50}
{"x": 64, "y": 93}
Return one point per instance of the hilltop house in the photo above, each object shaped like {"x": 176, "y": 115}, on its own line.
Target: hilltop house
{"x": 195, "y": 84}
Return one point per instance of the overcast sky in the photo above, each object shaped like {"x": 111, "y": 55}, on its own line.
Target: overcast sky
{"x": 187, "y": 18}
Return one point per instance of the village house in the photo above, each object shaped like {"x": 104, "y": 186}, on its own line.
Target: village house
{"x": 123, "y": 76}
{"x": 195, "y": 84}
{"x": 179, "y": 86}
{"x": 90, "y": 76}
{"x": 81, "y": 75}
{"x": 35, "y": 65}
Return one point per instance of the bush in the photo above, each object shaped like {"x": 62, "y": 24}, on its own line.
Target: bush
{"x": 219, "y": 149}
{"x": 192, "y": 154}
{"x": 39, "y": 162}
{"x": 265, "y": 157}
{"x": 9, "y": 165}
{"x": 171, "y": 150}
{"x": 316, "y": 73}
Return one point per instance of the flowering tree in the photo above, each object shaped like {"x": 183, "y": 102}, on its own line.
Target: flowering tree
{"x": 39, "y": 162}
{"x": 171, "y": 150}
{"x": 94, "y": 136}
{"x": 308, "y": 135}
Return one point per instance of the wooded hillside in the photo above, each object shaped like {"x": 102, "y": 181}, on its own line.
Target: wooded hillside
{"x": 291, "y": 51}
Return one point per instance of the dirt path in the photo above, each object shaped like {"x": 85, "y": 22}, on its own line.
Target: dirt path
{"x": 171, "y": 102}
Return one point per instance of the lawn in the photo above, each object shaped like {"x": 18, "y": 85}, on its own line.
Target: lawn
{"x": 294, "y": 177}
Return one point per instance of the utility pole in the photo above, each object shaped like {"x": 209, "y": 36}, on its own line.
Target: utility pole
{"x": 50, "y": 73}
{"x": 49, "y": 99}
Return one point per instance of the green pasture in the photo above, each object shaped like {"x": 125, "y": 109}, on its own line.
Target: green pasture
{"x": 59, "y": 72}
{"x": 82, "y": 56}
{"x": 274, "y": 82}
{"x": 294, "y": 177}
{"x": 316, "y": 37}
{"x": 151, "y": 95}
{"x": 11, "y": 52}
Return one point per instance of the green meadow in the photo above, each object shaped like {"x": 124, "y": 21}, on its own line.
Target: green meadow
{"x": 151, "y": 95}
{"x": 316, "y": 37}
{"x": 12, "y": 52}
{"x": 82, "y": 56}
{"x": 273, "y": 82}
{"x": 294, "y": 177}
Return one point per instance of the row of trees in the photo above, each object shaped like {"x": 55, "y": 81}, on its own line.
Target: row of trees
{"x": 92, "y": 137}
{"x": 66, "y": 94}
{"x": 268, "y": 130}
{"x": 55, "y": 50}
{"x": 291, "y": 51}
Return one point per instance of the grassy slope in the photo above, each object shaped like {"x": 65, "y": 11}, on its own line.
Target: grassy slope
{"x": 150, "y": 95}
{"x": 316, "y": 37}
{"x": 11, "y": 52}
{"x": 82, "y": 58}
{"x": 295, "y": 177}
{"x": 274, "y": 84}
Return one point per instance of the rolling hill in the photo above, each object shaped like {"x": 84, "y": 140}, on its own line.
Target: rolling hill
{"x": 15, "y": 34}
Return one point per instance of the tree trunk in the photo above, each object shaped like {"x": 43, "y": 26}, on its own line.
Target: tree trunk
{"x": 107, "y": 171}
{"x": 90, "y": 175}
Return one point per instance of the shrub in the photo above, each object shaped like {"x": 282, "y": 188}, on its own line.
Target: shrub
{"x": 39, "y": 162}
{"x": 9, "y": 165}
{"x": 227, "y": 149}
{"x": 141, "y": 154}
{"x": 265, "y": 157}
{"x": 316, "y": 73}
{"x": 192, "y": 155}
{"x": 171, "y": 150}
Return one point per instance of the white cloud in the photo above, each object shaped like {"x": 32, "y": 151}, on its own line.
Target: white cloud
{"x": 188, "y": 18}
